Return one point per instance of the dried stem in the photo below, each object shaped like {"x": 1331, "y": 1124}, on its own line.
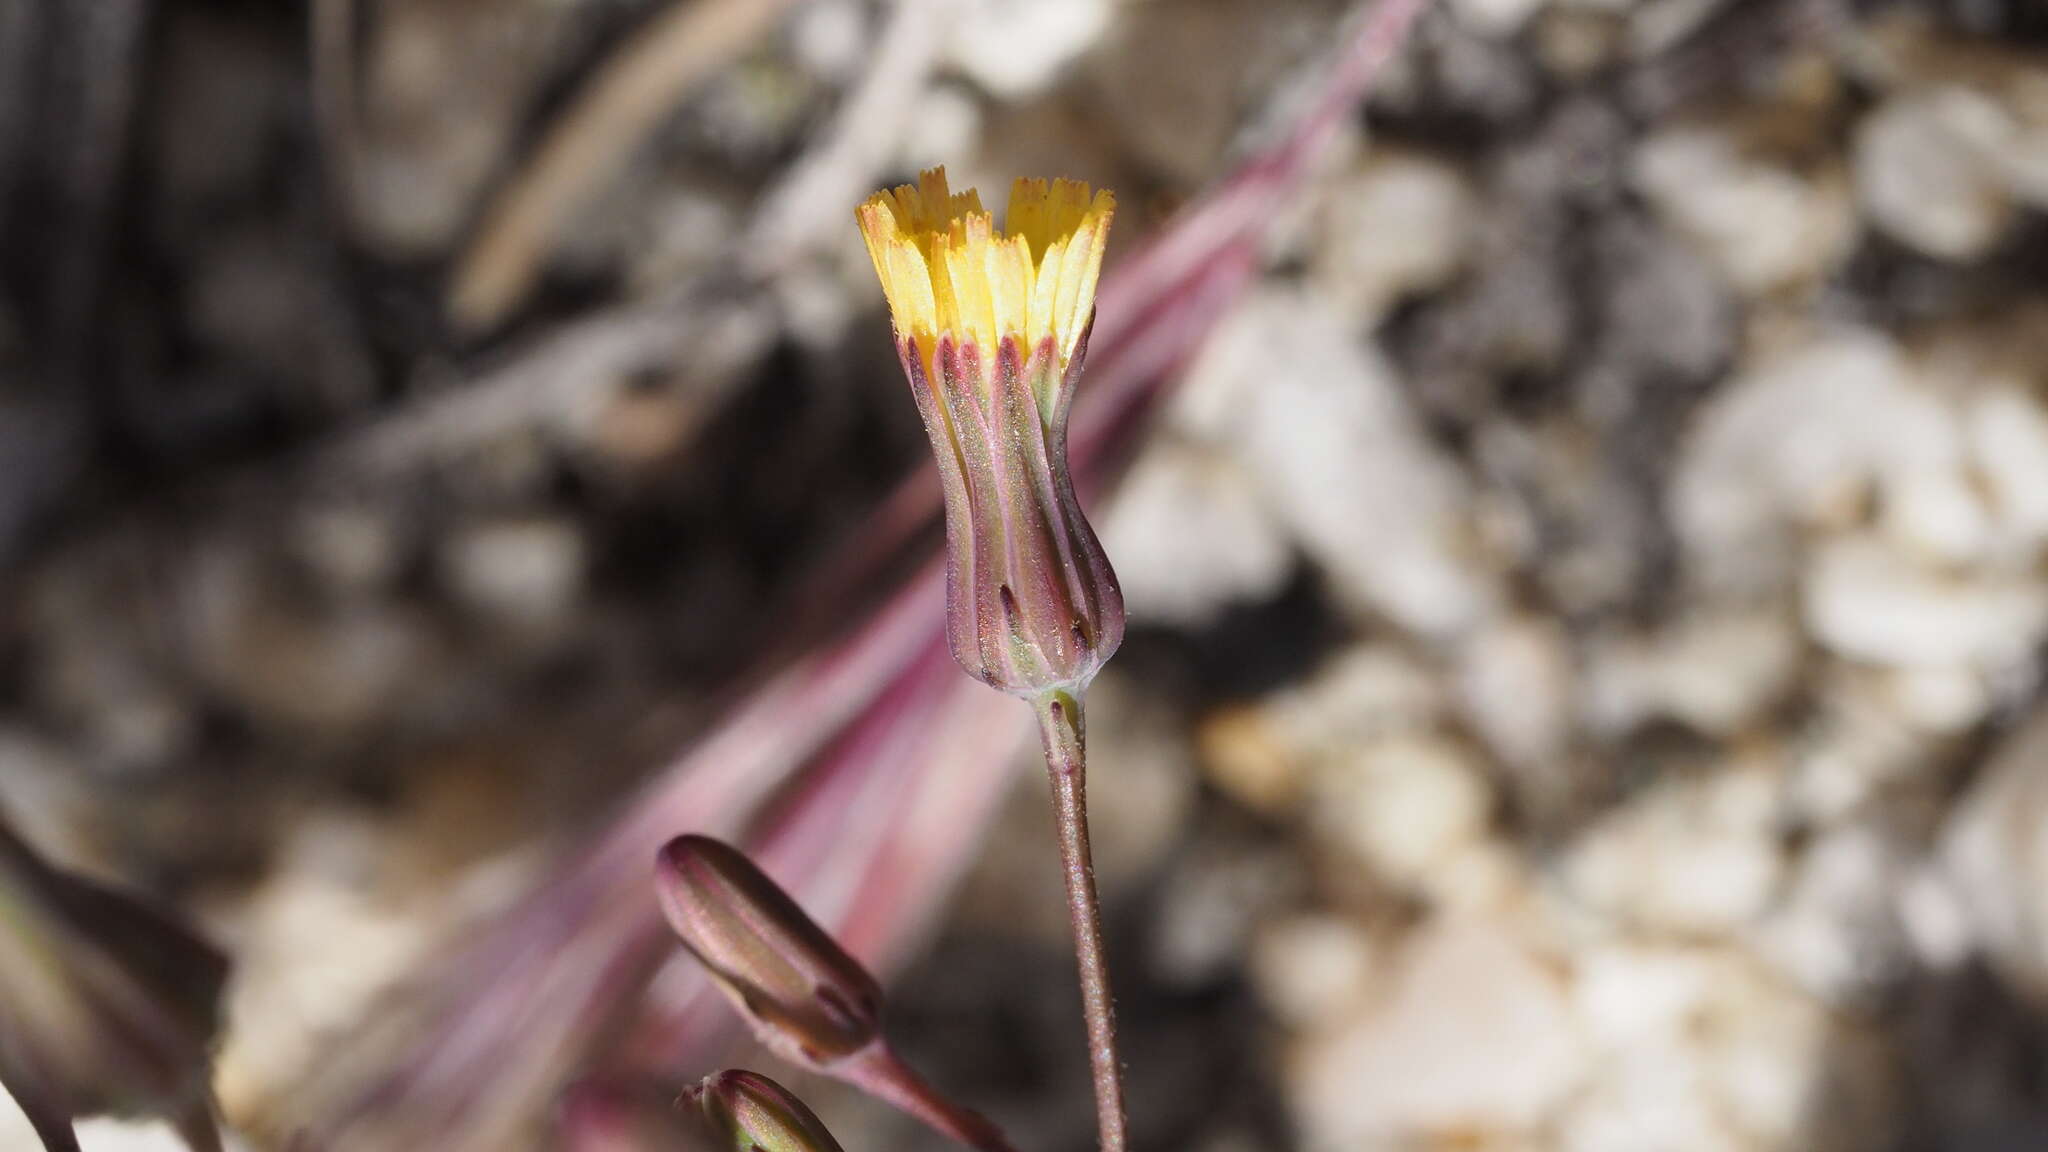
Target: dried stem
{"x": 1061, "y": 727}
{"x": 683, "y": 45}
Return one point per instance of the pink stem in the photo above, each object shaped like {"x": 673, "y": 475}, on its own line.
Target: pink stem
{"x": 878, "y": 1072}
{"x": 1066, "y": 762}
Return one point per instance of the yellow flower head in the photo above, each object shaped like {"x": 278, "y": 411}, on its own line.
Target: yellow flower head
{"x": 990, "y": 327}
{"x": 948, "y": 271}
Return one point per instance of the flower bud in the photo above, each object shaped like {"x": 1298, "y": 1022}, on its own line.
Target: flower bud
{"x": 105, "y": 1004}
{"x": 991, "y": 329}
{"x": 748, "y": 1112}
{"x": 806, "y": 999}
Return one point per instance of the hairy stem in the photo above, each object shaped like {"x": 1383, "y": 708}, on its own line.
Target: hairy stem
{"x": 1066, "y": 762}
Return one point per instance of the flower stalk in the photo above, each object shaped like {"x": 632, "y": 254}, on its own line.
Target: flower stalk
{"x": 1061, "y": 729}
{"x": 880, "y": 1073}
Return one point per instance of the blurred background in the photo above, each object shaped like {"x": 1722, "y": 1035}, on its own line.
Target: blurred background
{"x": 1588, "y": 563}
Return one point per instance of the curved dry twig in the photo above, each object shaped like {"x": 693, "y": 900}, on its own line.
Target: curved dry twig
{"x": 680, "y": 49}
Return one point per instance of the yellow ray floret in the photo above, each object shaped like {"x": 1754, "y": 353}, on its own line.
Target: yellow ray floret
{"x": 946, "y": 268}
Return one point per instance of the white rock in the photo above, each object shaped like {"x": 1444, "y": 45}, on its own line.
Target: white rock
{"x": 1632, "y": 995}
{"x": 103, "y": 1134}
{"x": 1940, "y": 701}
{"x": 1773, "y": 452}
{"x": 1498, "y": 18}
{"x": 1867, "y": 602}
{"x": 1363, "y": 694}
{"x": 1936, "y": 919}
{"x": 1400, "y": 224}
{"x": 1860, "y": 742}
{"x": 1696, "y": 856}
{"x": 1652, "y": 1097}
{"x": 2008, "y": 437}
{"x": 1714, "y": 671}
{"x": 1764, "y": 1050}
{"x": 1142, "y": 813}
{"x": 1404, "y": 806}
{"x": 1938, "y": 515}
{"x": 1928, "y": 170}
{"x": 1698, "y": 1050}
{"x": 1312, "y": 971}
{"x": 1474, "y": 1038}
{"x": 1516, "y": 680}
{"x": 1763, "y": 226}
{"x": 525, "y": 572}
{"x": 296, "y": 981}
{"x": 1484, "y": 876}
{"x": 1994, "y": 858}
{"x": 1176, "y": 576}
{"x": 1013, "y": 48}
{"x": 1835, "y": 934}
{"x": 1209, "y": 906}
{"x": 1261, "y": 754}
{"x": 1326, "y": 432}
{"x": 1243, "y": 757}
